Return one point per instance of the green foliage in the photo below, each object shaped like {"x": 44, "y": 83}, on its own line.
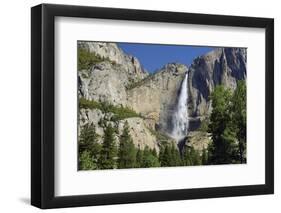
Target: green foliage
{"x": 87, "y": 59}
{"x": 169, "y": 156}
{"x": 127, "y": 151}
{"x": 239, "y": 118}
{"x": 120, "y": 112}
{"x": 204, "y": 157}
{"x": 204, "y": 126}
{"x": 108, "y": 154}
{"x": 139, "y": 158}
{"x": 88, "y": 139}
{"x": 175, "y": 158}
{"x": 220, "y": 122}
{"x": 165, "y": 155}
{"x": 92, "y": 155}
{"x": 162, "y": 158}
{"x": 154, "y": 153}
{"x": 228, "y": 125}
{"x": 149, "y": 159}
{"x": 87, "y": 104}
{"x": 85, "y": 161}
{"x": 191, "y": 157}
{"x": 89, "y": 148}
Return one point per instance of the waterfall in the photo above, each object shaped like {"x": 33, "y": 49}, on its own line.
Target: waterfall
{"x": 180, "y": 115}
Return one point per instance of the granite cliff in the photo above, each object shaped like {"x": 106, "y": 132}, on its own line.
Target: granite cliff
{"x": 118, "y": 79}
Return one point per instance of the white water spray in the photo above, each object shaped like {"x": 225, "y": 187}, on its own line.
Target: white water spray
{"x": 180, "y": 116}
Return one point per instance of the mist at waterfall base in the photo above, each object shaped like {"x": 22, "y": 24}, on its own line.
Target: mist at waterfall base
{"x": 180, "y": 115}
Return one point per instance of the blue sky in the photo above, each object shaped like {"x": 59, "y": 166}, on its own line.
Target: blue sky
{"x": 155, "y": 56}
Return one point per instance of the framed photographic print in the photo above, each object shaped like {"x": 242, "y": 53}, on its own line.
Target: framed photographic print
{"x": 139, "y": 106}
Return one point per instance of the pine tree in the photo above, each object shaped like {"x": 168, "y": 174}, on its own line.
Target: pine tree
{"x": 191, "y": 157}
{"x": 149, "y": 160}
{"x": 166, "y": 156}
{"x": 169, "y": 155}
{"x": 186, "y": 157}
{"x": 85, "y": 161}
{"x": 239, "y": 118}
{"x": 87, "y": 137}
{"x": 195, "y": 157}
{"x": 175, "y": 156}
{"x": 127, "y": 151}
{"x": 154, "y": 153}
{"x": 108, "y": 154}
{"x": 223, "y": 150}
{"x": 139, "y": 158}
{"x": 161, "y": 154}
{"x": 89, "y": 148}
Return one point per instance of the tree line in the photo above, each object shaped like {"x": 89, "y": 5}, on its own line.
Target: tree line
{"x": 107, "y": 155}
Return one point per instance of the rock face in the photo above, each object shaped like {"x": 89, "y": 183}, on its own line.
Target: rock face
{"x": 199, "y": 140}
{"x": 107, "y": 80}
{"x": 155, "y": 97}
{"x": 128, "y": 63}
{"x": 221, "y": 66}
{"x": 121, "y": 81}
{"x": 139, "y": 131}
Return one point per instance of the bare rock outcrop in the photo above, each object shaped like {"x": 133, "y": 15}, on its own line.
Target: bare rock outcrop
{"x": 221, "y": 66}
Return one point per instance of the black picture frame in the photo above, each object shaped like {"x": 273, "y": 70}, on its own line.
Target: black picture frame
{"x": 43, "y": 105}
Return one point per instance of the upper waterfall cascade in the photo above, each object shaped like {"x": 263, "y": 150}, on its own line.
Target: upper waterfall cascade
{"x": 180, "y": 116}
